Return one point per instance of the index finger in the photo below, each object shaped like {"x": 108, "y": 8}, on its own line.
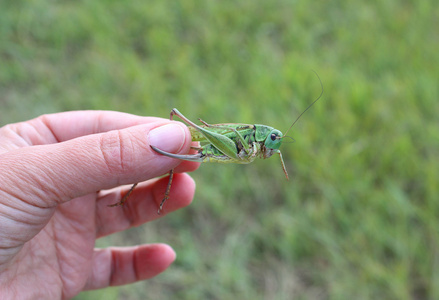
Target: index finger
{"x": 69, "y": 125}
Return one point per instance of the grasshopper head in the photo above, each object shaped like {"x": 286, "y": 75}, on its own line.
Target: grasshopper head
{"x": 274, "y": 139}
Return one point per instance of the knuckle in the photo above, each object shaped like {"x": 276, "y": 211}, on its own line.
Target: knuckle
{"x": 115, "y": 150}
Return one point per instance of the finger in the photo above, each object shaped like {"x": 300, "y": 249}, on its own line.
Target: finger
{"x": 119, "y": 266}
{"x": 142, "y": 205}
{"x": 69, "y": 125}
{"x": 59, "y": 172}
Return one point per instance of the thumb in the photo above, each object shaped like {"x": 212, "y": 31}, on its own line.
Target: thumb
{"x": 50, "y": 174}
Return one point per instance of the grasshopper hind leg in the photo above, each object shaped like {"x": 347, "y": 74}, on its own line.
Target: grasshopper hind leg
{"x": 168, "y": 188}
{"x": 189, "y": 157}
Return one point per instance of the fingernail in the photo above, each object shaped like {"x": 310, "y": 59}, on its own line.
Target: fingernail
{"x": 169, "y": 138}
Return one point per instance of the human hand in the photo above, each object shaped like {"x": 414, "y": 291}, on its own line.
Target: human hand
{"x": 53, "y": 170}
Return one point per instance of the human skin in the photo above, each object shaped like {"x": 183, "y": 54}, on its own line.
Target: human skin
{"x": 58, "y": 174}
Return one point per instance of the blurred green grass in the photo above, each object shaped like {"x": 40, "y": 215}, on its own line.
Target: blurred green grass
{"x": 359, "y": 217}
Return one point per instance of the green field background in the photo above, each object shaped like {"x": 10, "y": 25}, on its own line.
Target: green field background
{"x": 359, "y": 217}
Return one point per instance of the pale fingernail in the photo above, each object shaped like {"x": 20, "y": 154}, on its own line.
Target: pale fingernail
{"x": 169, "y": 138}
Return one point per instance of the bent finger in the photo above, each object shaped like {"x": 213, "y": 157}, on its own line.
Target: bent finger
{"x": 143, "y": 203}
{"x": 118, "y": 266}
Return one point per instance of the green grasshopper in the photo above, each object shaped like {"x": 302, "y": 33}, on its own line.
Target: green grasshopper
{"x": 226, "y": 143}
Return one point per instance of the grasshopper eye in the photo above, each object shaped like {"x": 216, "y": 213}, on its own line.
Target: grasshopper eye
{"x": 273, "y": 136}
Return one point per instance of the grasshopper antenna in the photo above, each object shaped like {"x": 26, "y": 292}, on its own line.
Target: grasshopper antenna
{"x": 321, "y": 84}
